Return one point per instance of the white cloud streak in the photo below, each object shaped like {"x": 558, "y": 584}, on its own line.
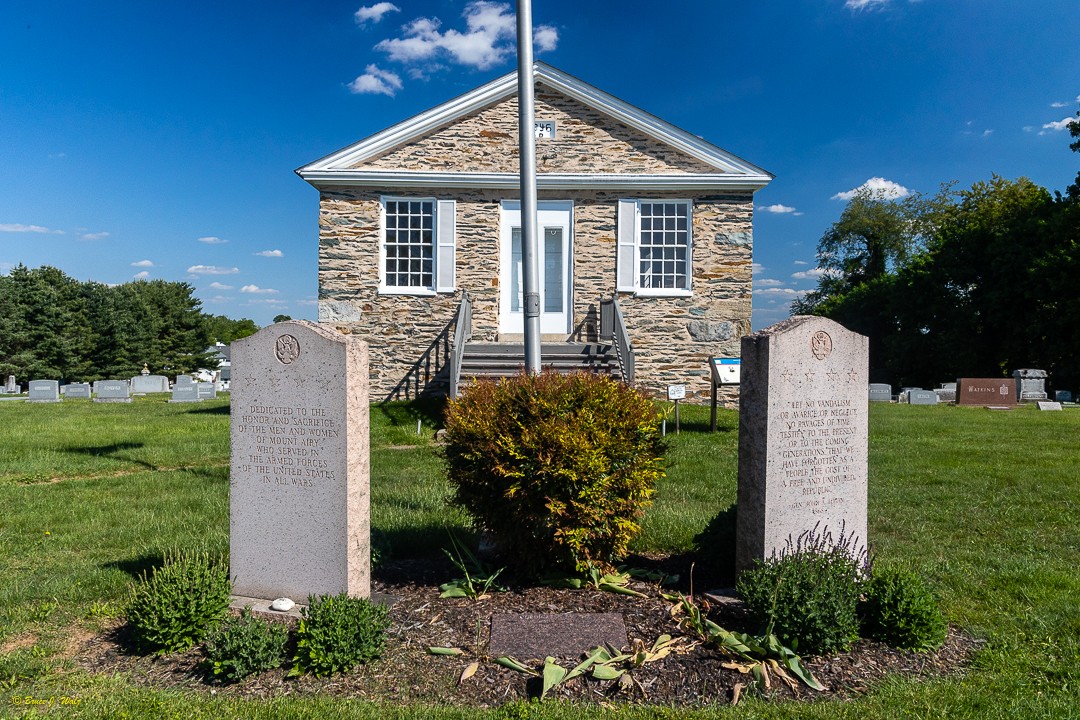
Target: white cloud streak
{"x": 220, "y": 286}
{"x": 779, "y": 209}
{"x": 1059, "y": 125}
{"x": 859, "y": 5}
{"x": 142, "y": 263}
{"x": 376, "y": 81}
{"x": 374, "y": 13}
{"x": 211, "y": 240}
{"x": 256, "y": 290}
{"x": 20, "y": 228}
{"x": 811, "y": 274}
{"x": 212, "y": 270}
{"x": 270, "y": 253}
{"x": 94, "y": 236}
{"x": 142, "y": 275}
{"x": 879, "y": 187}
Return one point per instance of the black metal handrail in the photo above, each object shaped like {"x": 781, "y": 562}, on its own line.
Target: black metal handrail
{"x": 613, "y": 328}
{"x": 441, "y": 360}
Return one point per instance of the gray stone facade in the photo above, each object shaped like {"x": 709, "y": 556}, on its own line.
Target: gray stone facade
{"x": 673, "y": 337}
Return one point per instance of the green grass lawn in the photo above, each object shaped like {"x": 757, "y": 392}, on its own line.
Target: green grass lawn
{"x": 985, "y": 504}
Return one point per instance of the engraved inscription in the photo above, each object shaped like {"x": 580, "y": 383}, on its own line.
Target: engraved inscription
{"x": 289, "y": 444}
{"x": 287, "y": 349}
{"x": 817, "y": 453}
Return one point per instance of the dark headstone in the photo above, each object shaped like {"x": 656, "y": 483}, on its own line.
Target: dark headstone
{"x": 1064, "y": 396}
{"x": 529, "y": 636}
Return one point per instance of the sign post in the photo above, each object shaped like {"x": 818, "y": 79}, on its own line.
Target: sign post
{"x": 527, "y": 166}
{"x": 676, "y": 393}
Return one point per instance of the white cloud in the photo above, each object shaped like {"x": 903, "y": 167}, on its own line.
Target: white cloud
{"x": 879, "y": 187}
{"x": 94, "y": 236}
{"x": 256, "y": 290}
{"x": 811, "y": 274}
{"x": 20, "y": 228}
{"x": 757, "y": 268}
{"x": 142, "y": 263}
{"x": 220, "y": 299}
{"x": 220, "y": 286}
{"x": 374, "y": 13}
{"x": 267, "y": 301}
{"x": 270, "y": 253}
{"x": 490, "y": 36}
{"x": 781, "y": 292}
{"x": 778, "y": 209}
{"x": 211, "y": 240}
{"x": 1058, "y": 125}
{"x": 800, "y": 262}
{"x": 142, "y": 275}
{"x": 1065, "y": 104}
{"x": 857, "y": 5}
{"x": 375, "y": 81}
{"x": 212, "y": 270}
{"x": 768, "y": 282}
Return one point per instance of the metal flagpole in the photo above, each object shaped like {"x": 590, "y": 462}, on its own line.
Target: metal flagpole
{"x": 527, "y": 154}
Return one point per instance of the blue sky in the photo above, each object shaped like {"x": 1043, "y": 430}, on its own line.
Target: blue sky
{"x": 159, "y": 140}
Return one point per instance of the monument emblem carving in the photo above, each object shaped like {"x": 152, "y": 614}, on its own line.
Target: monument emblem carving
{"x": 287, "y": 349}
{"x": 821, "y": 345}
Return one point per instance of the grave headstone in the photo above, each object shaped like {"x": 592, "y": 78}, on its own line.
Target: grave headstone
{"x": 143, "y": 384}
{"x": 1046, "y": 405}
{"x": 880, "y": 392}
{"x": 12, "y": 386}
{"x": 922, "y": 397}
{"x": 1030, "y": 384}
{"x": 185, "y": 392}
{"x": 986, "y": 391}
{"x": 113, "y": 391}
{"x": 44, "y": 391}
{"x": 1064, "y": 396}
{"x": 802, "y": 437}
{"x": 75, "y": 391}
{"x": 946, "y": 393}
{"x": 184, "y": 380}
{"x": 206, "y": 390}
{"x": 299, "y": 480}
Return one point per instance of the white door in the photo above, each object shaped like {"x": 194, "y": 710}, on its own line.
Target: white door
{"x": 554, "y": 222}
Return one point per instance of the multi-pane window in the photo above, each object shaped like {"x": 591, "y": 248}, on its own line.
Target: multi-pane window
{"x": 409, "y": 244}
{"x": 663, "y": 245}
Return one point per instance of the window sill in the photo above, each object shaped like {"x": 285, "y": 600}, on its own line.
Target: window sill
{"x": 417, "y": 292}
{"x": 663, "y": 292}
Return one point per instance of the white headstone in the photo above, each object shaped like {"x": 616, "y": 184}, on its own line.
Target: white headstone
{"x": 299, "y": 504}
{"x": 113, "y": 391}
{"x": 802, "y": 436}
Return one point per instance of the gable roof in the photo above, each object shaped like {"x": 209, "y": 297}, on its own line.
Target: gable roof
{"x": 339, "y": 168}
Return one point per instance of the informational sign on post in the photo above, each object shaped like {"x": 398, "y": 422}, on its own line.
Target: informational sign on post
{"x": 676, "y": 393}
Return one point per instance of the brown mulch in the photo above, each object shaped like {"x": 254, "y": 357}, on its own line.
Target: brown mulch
{"x": 407, "y": 673}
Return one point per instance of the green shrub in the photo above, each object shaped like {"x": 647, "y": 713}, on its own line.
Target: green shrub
{"x": 900, "y": 610}
{"x": 809, "y": 595}
{"x": 179, "y": 603}
{"x": 337, "y": 632}
{"x": 558, "y": 468}
{"x": 245, "y": 645}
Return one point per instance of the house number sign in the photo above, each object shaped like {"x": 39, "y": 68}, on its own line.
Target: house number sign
{"x": 545, "y": 129}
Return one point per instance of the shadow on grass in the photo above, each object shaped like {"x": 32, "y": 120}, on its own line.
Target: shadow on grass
{"x": 427, "y": 410}
{"x": 219, "y": 410}
{"x": 138, "y": 566}
{"x": 112, "y": 452}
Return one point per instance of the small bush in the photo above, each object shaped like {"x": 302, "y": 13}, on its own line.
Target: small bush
{"x": 245, "y": 645}
{"x": 337, "y": 632}
{"x": 558, "y": 468}
{"x": 179, "y": 603}
{"x": 900, "y": 610}
{"x": 809, "y": 595}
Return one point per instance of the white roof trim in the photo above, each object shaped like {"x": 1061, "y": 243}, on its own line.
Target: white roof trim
{"x": 340, "y": 163}
{"x": 544, "y": 181}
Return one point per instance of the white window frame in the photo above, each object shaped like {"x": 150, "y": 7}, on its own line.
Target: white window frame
{"x": 628, "y": 264}
{"x": 442, "y": 248}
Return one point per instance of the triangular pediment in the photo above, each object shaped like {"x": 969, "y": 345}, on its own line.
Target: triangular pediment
{"x": 471, "y": 141}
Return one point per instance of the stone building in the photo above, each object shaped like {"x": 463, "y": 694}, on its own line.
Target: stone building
{"x": 416, "y": 218}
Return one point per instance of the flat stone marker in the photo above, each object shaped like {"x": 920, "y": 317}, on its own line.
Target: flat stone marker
{"x": 999, "y": 392}
{"x": 299, "y": 520}
{"x": 113, "y": 391}
{"x": 880, "y": 392}
{"x": 802, "y": 436}
{"x": 44, "y": 391}
{"x": 534, "y": 636}
{"x": 922, "y": 397}
{"x": 1045, "y": 405}
{"x": 76, "y": 391}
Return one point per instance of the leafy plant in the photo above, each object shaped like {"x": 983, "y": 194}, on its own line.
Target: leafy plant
{"x": 245, "y": 645}
{"x": 337, "y": 632}
{"x": 477, "y": 578}
{"x": 179, "y": 603}
{"x": 900, "y": 609}
{"x": 558, "y": 468}
{"x": 809, "y": 595}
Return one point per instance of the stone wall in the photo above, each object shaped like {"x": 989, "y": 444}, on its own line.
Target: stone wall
{"x": 672, "y": 337}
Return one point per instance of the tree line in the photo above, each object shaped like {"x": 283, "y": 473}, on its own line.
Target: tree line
{"x": 964, "y": 283}
{"x": 55, "y": 327}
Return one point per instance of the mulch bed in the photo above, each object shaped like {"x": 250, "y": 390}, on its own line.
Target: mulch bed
{"x": 407, "y": 673}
